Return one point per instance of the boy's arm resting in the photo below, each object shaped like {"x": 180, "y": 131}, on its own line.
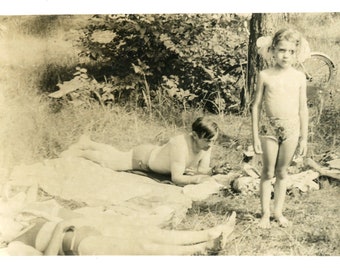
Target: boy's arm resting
{"x": 179, "y": 178}
{"x": 178, "y": 165}
{"x": 204, "y": 164}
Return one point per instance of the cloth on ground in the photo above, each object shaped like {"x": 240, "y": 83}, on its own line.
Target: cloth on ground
{"x": 160, "y": 178}
{"x": 127, "y": 194}
{"x": 202, "y": 191}
{"x": 115, "y": 200}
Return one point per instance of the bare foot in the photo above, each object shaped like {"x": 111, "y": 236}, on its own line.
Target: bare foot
{"x": 71, "y": 153}
{"x": 283, "y": 222}
{"x": 220, "y": 233}
{"x": 214, "y": 244}
{"x": 228, "y": 228}
{"x": 82, "y": 143}
{"x": 264, "y": 222}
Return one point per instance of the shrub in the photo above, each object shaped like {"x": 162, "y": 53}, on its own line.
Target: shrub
{"x": 197, "y": 49}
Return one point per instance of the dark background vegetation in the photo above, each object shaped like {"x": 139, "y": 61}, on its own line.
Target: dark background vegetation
{"x": 140, "y": 78}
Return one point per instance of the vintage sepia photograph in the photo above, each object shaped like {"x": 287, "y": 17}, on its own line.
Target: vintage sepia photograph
{"x": 170, "y": 133}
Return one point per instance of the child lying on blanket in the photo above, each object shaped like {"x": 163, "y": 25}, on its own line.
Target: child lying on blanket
{"x": 76, "y": 234}
{"x": 185, "y": 157}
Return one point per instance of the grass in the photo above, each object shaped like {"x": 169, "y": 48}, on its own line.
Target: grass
{"x": 315, "y": 230}
{"x": 36, "y": 129}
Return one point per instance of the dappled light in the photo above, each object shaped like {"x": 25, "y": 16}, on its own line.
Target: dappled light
{"x": 125, "y": 80}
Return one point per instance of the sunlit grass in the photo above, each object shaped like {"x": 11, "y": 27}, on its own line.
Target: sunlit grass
{"x": 34, "y": 129}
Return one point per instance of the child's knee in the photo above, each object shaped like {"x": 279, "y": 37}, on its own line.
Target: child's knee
{"x": 267, "y": 174}
{"x": 17, "y": 248}
{"x": 281, "y": 173}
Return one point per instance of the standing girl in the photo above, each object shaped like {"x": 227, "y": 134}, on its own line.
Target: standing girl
{"x": 283, "y": 125}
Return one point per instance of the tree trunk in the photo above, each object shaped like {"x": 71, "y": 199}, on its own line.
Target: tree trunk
{"x": 261, "y": 24}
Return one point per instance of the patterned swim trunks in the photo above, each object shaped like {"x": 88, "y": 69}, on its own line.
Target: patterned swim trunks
{"x": 280, "y": 129}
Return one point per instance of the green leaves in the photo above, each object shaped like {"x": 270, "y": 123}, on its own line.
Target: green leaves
{"x": 196, "y": 48}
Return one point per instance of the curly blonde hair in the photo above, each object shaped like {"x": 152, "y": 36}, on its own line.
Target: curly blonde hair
{"x": 287, "y": 35}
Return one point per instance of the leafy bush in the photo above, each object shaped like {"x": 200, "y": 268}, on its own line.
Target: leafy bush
{"x": 329, "y": 126}
{"x": 137, "y": 54}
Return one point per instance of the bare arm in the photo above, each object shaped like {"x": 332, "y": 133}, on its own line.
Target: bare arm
{"x": 56, "y": 239}
{"x": 303, "y": 114}
{"x": 256, "y": 111}
{"x": 178, "y": 167}
{"x": 204, "y": 164}
{"x": 179, "y": 178}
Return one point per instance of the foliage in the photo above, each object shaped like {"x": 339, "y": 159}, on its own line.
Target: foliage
{"x": 329, "y": 126}
{"x": 81, "y": 90}
{"x": 137, "y": 54}
{"x": 32, "y": 133}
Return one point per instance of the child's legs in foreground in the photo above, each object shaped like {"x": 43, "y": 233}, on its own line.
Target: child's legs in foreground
{"x": 270, "y": 151}
{"x": 102, "y": 245}
{"x": 155, "y": 241}
{"x": 285, "y": 156}
{"x": 166, "y": 249}
{"x": 173, "y": 237}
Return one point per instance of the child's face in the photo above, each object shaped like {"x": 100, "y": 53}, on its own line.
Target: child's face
{"x": 204, "y": 143}
{"x": 285, "y": 53}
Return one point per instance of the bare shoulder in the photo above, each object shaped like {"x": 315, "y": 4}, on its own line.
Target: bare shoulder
{"x": 301, "y": 75}
{"x": 179, "y": 144}
{"x": 178, "y": 140}
{"x": 265, "y": 74}
{"x": 298, "y": 73}
{"x": 298, "y": 76}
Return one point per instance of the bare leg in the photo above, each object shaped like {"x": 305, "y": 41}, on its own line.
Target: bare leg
{"x": 112, "y": 158}
{"x": 103, "y": 154}
{"x": 101, "y": 245}
{"x": 193, "y": 237}
{"x": 285, "y": 156}
{"x": 159, "y": 249}
{"x": 85, "y": 143}
{"x": 155, "y": 241}
{"x": 270, "y": 151}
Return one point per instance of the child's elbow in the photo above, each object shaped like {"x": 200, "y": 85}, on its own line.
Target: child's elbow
{"x": 179, "y": 181}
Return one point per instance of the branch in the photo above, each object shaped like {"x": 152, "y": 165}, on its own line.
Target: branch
{"x": 323, "y": 170}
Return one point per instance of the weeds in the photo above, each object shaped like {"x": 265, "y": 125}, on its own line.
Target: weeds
{"x": 315, "y": 231}
{"x": 36, "y": 128}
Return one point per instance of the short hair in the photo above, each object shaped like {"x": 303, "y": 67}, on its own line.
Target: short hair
{"x": 287, "y": 34}
{"x": 205, "y": 128}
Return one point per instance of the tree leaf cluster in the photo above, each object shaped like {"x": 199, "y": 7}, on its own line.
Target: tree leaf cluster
{"x": 187, "y": 57}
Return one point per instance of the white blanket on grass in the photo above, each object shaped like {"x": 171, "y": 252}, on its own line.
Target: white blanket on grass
{"x": 85, "y": 181}
{"x": 117, "y": 198}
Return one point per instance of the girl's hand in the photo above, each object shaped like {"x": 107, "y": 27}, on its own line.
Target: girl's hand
{"x": 302, "y": 148}
{"x": 257, "y": 146}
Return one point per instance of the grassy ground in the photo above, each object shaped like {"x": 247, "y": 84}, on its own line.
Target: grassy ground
{"x": 315, "y": 230}
{"x": 35, "y": 129}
